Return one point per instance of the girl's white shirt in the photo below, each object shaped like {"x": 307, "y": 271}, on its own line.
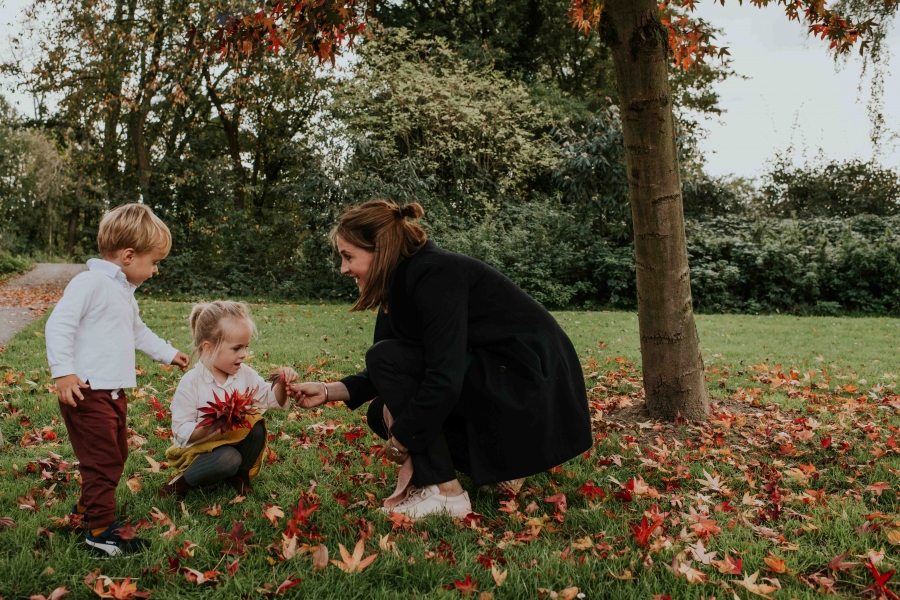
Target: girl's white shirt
{"x": 196, "y": 389}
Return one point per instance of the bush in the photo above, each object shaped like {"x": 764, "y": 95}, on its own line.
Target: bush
{"x": 11, "y": 265}
{"x": 810, "y": 266}
{"x": 824, "y": 188}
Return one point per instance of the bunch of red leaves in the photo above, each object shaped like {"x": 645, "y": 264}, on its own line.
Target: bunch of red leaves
{"x": 231, "y": 412}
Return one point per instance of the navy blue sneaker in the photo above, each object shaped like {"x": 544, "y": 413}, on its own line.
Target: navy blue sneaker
{"x": 111, "y": 543}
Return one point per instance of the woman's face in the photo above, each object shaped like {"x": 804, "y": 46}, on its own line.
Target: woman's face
{"x": 354, "y": 261}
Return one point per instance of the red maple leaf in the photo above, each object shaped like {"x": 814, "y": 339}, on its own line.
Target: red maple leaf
{"x": 591, "y": 491}
{"x": 233, "y": 567}
{"x": 559, "y": 502}
{"x": 235, "y": 539}
{"x": 837, "y": 563}
{"x": 230, "y": 413}
{"x": 467, "y": 586}
{"x": 288, "y": 584}
{"x": 881, "y": 580}
{"x": 642, "y": 532}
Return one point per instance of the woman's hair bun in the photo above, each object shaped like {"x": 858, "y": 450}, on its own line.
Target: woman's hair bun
{"x": 413, "y": 211}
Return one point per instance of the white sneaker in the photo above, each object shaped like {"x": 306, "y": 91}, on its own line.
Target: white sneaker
{"x": 428, "y": 501}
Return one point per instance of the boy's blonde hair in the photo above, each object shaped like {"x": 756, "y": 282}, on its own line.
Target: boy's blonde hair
{"x": 209, "y": 322}
{"x": 132, "y": 226}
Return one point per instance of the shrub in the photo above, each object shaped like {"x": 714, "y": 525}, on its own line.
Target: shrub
{"x": 830, "y": 188}
{"x": 11, "y": 265}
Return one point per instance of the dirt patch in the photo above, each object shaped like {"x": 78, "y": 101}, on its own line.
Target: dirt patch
{"x": 28, "y": 297}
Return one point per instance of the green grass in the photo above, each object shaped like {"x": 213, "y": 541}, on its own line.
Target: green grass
{"x": 326, "y": 341}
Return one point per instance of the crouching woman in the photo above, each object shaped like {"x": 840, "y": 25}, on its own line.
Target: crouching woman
{"x": 467, "y": 372}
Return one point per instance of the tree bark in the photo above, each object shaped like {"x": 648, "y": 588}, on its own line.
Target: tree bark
{"x": 232, "y": 128}
{"x": 674, "y": 377}
{"x": 73, "y": 217}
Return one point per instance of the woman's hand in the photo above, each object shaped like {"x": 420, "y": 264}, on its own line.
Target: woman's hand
{"x": 309, "y": 394}
{"x": 394, "y": 451}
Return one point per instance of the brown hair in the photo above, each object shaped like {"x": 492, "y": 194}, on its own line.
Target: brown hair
{"x": 382, "y": 228}
{"x": 132, "y": 226}
{"x": 208, "y": 322}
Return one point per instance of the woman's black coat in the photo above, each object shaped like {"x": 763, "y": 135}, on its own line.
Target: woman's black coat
{"x": 525, "y": 402}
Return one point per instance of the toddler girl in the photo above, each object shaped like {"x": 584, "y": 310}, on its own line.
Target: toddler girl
{"x": 205, "y": 455}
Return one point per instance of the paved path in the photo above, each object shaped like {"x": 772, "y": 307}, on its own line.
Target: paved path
{"x": 26, "y": 298}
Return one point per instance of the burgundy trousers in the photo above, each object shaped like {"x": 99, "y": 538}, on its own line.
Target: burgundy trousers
{"x": 98, "y": 433}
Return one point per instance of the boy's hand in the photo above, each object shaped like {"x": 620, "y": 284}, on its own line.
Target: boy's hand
{"x": 69, "y": 387}
{"x": 182, "y": 360}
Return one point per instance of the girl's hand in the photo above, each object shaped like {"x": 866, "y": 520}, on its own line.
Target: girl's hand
{"x": 309, "y": 394}
{"x": 288, "y": 376}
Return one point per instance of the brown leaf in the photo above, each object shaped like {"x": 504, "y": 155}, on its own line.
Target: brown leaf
{"x": 320, "y": 557}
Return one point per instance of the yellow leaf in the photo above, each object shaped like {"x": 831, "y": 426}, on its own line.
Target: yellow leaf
{"x": 134, "y": 485}
{"x": 893, "y": 536}
{"x": 154, "y": 466}
{"x": 499, "y": 576}
{"x": 355, "y": 563}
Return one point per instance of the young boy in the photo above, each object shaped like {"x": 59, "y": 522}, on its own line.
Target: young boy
{"x": 91, "y": 338}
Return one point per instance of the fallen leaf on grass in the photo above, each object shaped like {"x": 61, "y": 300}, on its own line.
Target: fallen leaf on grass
{"x": 570, "y": 593}
{"x": 881, "y": 580}
{"x": 760, "y": 589}
{"x": 273, "y": 513}
{"x": 498, "y": 575}
{"x": 466, "y": 586}
{"x": 213, "y": 511}
{"x": 171, "y": 533}
{"x": 355, "y": 563}
{"x": 54, "y": 595}
{"x": 159, "y": 517}
{"x": 233, "y": 567}
{"x": 122, "y": 590}
{"x": 134, "y": 485}
{"x": 154, "y": 466}
{"x": 198, "y": 577}
{"x": 729, "y": 566}
{"x": 775, "y": 564}
{"x": 642, "y": 532}
{"x": 878, "y": 487}
{"x": 320, "y": 557}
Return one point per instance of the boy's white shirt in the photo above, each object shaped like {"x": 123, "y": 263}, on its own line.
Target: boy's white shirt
{"x": 96, "y": 327}
{"x": 195, "y": 390}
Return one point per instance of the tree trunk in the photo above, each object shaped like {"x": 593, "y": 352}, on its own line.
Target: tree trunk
{"x": 136, "y": 123}
{"x": 674, "y": 378}
{"x": 73, "y": 217}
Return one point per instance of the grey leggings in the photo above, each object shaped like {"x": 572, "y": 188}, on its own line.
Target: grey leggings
{"x": 225, "y": 461}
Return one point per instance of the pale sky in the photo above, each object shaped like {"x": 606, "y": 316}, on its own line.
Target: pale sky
{"x": 793, "y": 97}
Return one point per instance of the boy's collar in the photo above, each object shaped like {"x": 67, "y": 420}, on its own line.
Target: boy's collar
{"x": 111, "y": 270}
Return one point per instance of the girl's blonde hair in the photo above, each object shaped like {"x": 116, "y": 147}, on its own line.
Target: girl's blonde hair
{"x": 385, "y": 229}
{"x": 209, "y": 323}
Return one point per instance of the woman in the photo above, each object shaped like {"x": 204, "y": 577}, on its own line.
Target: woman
{"x": 475, "y": 374}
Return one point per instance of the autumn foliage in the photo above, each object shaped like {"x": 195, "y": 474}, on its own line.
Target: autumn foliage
{"x": 317, "y": 27}
{"x": 229, "y": 413}
{"x": 690, "y": 39}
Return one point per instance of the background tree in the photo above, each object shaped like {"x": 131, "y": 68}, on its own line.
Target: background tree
{"x": 643, "y": 36}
